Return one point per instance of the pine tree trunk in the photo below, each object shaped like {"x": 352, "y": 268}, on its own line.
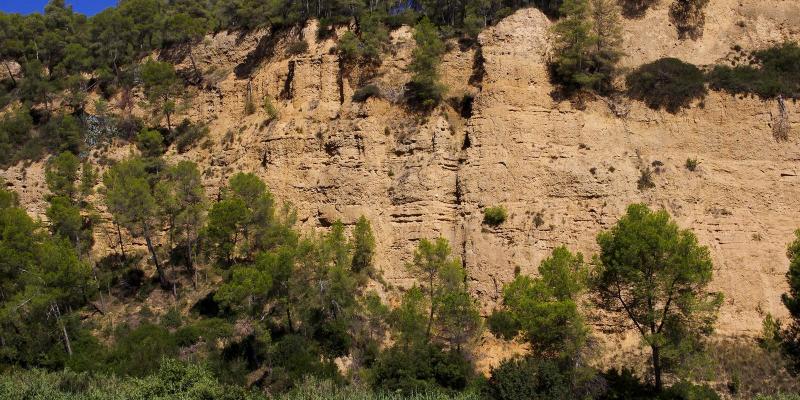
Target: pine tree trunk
{"x": 657, "y": 368}
{"x": 67, "y": 344}
{"x": 162, "y": 278}
{"x": 121, "y": 245}
{"x": 11, "y": 75}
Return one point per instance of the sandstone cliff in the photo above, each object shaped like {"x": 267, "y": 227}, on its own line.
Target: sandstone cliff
{"x": 564, "y": 173}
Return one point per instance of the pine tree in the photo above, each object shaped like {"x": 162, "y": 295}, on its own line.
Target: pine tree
{"x": 586, "y": 44}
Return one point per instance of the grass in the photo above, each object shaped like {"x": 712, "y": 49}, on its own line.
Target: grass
{"x": 185, "y": 383}
{"x": 324, "y": 390}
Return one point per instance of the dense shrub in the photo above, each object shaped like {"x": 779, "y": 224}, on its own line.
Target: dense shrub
{"x": 688, "y": 16}
{"x": 139, "y": 351}
{"x": 495, "y": 216}
{"x": 668, "y": 83}
{"x": 691, "y": 164}
{"x": 684, "y": 390}
{"x": 176, "y": 380}
{"x": 529, "y": 378}
{"x": 420, "y": 368}
{"x": 173, "y": 380}
{"x": 773, "y": 72}
{"x": 624, "y": 385}
{"x": 503, "y": 325}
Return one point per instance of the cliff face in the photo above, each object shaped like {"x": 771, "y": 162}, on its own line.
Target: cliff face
{"x": 563, "y": 173}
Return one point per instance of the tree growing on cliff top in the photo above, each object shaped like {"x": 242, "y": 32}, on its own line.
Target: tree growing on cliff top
{"x": 654, "y": 275}
{"x": 425, "y": 90}
{"x": 587, "y": 45}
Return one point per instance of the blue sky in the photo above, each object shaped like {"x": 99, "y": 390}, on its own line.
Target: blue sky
{"x": 88, "y": 7}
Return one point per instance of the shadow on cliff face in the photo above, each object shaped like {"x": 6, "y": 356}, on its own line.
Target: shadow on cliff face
{"x": 265, "y": 49}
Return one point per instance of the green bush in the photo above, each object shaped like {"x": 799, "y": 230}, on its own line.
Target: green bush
{"x": 139, "y": 351}
{"x": 503, "y": 325}
{"x": 668, "y": 83}
{"x": 529, "y": 378}
{"x": 624, "y": 385}
{"x": 691, "y": 164}
{"x": 495, "y": 216}
{"x": 684, "y": 390}
{"x": 773, "y": 72}
{"x": 420, "y": 368}
{"x": 363, "y": 93}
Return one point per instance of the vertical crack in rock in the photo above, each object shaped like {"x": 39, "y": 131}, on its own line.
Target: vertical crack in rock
{"x": 340, "y": 80}
{"x": 286, "y": 92}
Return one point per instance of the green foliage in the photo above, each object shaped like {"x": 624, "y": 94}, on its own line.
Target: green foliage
{"x": 269, "y": 108}
{"x": 363, "y": 245}
{"x": 243, "y": 222}
{"x": 530, "y": 378}
{"x": 172, "y": 380}
{"x": 419, "y": 369}
{"x": 178, "y": 380}
{"x": 43, "y": 283}
{"x": 61, "y": 173}
{"x": 495, "y": 216}
{"x": 161, "y": 85}
{"x": 587, "y": 45}
{"x": 15, "y": 128}
{"x": 645, "y": 181}
{"x": 667, "y": 83}
{"x": 544, "y": 309}
{"x": 684, "y": 390}
{"x": 425, "y": 90}
{"x": 774, "y": 72}
{"x": 129, "y": 198}
{"x": 63, "y": 133}
{"x": 625, "y": 385}
{"x": 138, "y": 351}
{"x": 150, "y": 143}
{"x": 791, "y": 336}
{"x": 181, "y": 202}
{"x": 367, "y": 46}
{"x": 655, "y": 276}
{"x": 450, "y": 312}
{"x": 691, "y": 164}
